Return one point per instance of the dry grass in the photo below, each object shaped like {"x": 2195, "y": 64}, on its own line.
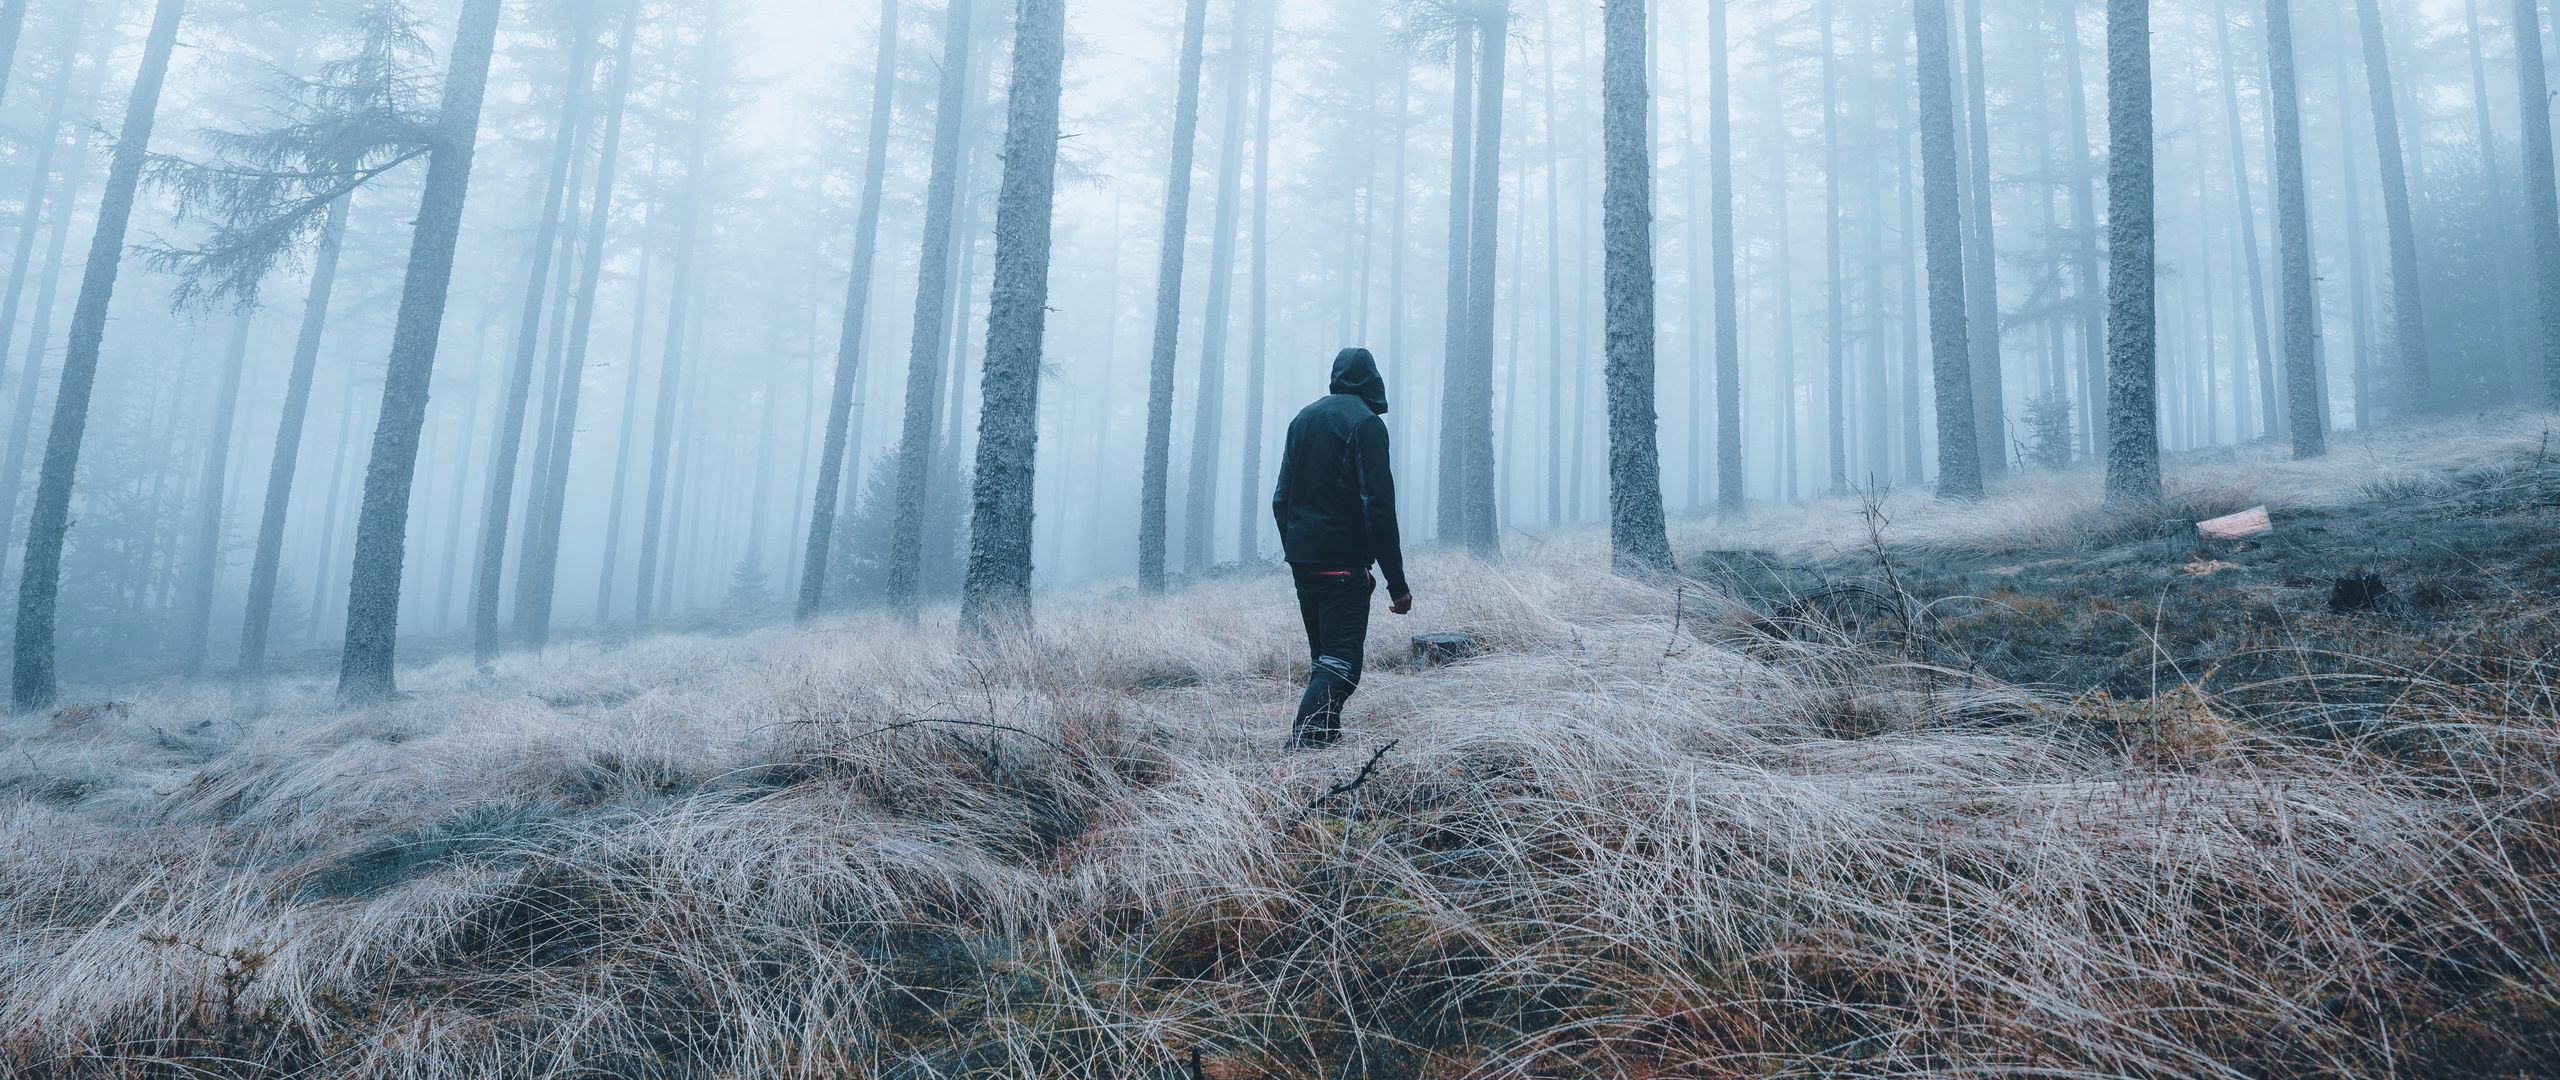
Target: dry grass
{"x": 1624, "y": 844}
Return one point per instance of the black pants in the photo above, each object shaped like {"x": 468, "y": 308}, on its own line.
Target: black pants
{"x": 1335, "y": 604}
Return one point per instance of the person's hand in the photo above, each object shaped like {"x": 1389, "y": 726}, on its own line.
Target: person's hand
{"x": 1401, "y": 604}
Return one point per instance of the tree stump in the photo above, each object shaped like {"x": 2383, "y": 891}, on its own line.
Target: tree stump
{"x": 1437, "y": 650}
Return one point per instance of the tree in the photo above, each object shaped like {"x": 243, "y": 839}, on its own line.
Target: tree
{"x": 1471, "y": 410}
{"x": 1729, "y": 486}
{"x": 1201, "y": 498}
{"x": 204, "y": 556}
{"x": 30, "y": 213}
{"x": 1638, "y": 541}
{"x": 2408, "y": 309}
{"x": 2133, "y": 409}
{"x": 535, "y": 581}
{"x": 1152, "y": 485}
{"x": 39, "y": 588}
{"x": 2293, "y": 242}
{"x": 998, "y": 590}
{"x": 680, "y": 302}
{"x": 926, "y": 347}
{"x": 1258, "y": 332}
{"x": 2268, "y": 420}
{"x": 366, "y": 668}
{"x": 857, "y": 310}
{"x": 1835, "y": 315}
{"x": 1982, "y": 288}
{"x": 488, "y": 579}
{"x": 13, "y": 17}
{"x": 2542, "y": 190}
{"x": 1959, "y": 454}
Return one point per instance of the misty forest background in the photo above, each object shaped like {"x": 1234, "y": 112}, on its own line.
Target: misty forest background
{"x": 691, "y": 276}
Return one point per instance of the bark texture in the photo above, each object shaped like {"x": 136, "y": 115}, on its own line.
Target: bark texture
{"x": 1729, "y": 485}
{"x": 2133, "y": 334}
{"x": 2408, "y": 306}
{"x": 1638, "y": 540}
{"x": 997, "y": 593}
{"x": 1154, "y": 480}
{"x": 48, "y": 524}
{"x": 2542, "y": 201}
{"x": 1942, "y": 222}
{"x": 2293, "y": 242}
{"x": 365, "y": 670}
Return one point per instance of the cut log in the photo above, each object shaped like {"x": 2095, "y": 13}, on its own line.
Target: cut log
{"x": 1435, "y": 650}
{"x": 2244, "y": 525}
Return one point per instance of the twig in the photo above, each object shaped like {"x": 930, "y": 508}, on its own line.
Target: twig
{"x": 1348, "y": 786}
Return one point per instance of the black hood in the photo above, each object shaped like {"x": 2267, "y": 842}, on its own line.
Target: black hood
{"x": 1355, "y": 372}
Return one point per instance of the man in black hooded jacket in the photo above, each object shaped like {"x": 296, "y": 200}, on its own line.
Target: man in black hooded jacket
{"x": 1336, "y": 505}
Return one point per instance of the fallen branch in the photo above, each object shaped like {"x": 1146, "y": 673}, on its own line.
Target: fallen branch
{"x": 1348, "y": 786}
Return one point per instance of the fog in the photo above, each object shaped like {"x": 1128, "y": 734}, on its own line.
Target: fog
{"x": 698, "y": 322}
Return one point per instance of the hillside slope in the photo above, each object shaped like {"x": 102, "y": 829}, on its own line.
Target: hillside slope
{"x": 2006, "y": 788}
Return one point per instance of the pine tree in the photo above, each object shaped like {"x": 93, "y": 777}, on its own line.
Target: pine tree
{"x": 2541, "y": 189}
{"x": 927, "y": 345}
{"x": 1982, "y": 287}
{"x": 2408, "y": 308}
{"x": 495, "y": 509}
{"x": 1959, "y": 454}
{"x": 40, "y": 584}
{"x": 204, "y": 557}
{"x": 366, "y": 669}
{"x": 1451, "y": 496}
{"x": 1729, "y": 484}
{"x": 2293, "y": 243}
{"x": 1258, "y": 332}
{"x": 998, "y": 590}
{"x": 1201, "y": 494}
{"x": 2133, "y": 410}
{"x": 654, "y": 514}
{"x": 1155, "y": 479}
{"x": 857, "y": 311}
{"x": 30, "y": 213}
{"x": 1638, "y": 541}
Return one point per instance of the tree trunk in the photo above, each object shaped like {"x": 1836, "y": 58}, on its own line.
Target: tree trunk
{"x": 373, "y": 594}
{"x": 535, "y": 580}
{"x": 267, "y": 559}
{"x": 1638, "y": 542}
{"x": 857, "y": 310}
{"x": 2293, "y": 238}
{"x": 1959, "y": 452}
{"x": 2090, "y": 288}
{"x": 2494, "y": 179}
{"x": 31, "y": 209}
{"x": 2269, "y": 421}
{"x": 1555, "y": 279}
{"x": 613, "y": 524}
{"x": 1480, "y": 526}
{"x": 1200, "y": 500}
{"x": 2408, "y": 309}
{"x": 1729, "y": 483}
{"x": 928, "y": 344}
{"x": 1153, "y": 527}
{"x": 653, "y": 514}
{"x": 998, "y": 592}
{"x": 2542, "y": 202}
{"x": 2133, "y": 409}
{"x": 1449, "y": 506}
{"x": 40, "y": 583}
{"x": 488, "y": 580}
{"x": 22, "y": 413}
{"x": 1835, "y": 314}
{"x": 2360, "y": 319}
{"x": 1982, "y": 290}
{"x": 1258, "y": 326}
{"x": 13, "y": 17}
{"x": 204, "y": 557}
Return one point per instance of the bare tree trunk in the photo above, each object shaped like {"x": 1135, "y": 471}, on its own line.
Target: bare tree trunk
{"x": 282, "y": 464}
{"x": 2408, "y": 309}
{"x": 2360, "y": 319}
{"x": 1450, "y": 504}
{"x": 2539, "y": 195}
{"x": 204, "y": 557}
{"x": 1835, "y": 314}
{"x": 857, "y": 309}
{"x": 13, "y": 468}
{"x": 2293, "y": 237}
{"x": 613, "y": 517}
{"x": 488, "y": 580}
{"x": 2494, "y": 178}
{"x": 1982, "y": 290}
{"x": 1249, "y": 516}
{"x": 1200, "y": 500}
{"x": 1481, "y": 529}
{"x": 40, "y": 583}
{"x": 1959, "y": 452}
{"x": 998, "y": 592}
{"x": 536, "y": 579}
{"x": 2133, "y": 334}
{"x": 1153, "y": 527}
{"x": 373, "y": 594}
{"x": 654, "y": 517}
{"x": 1638, "y": 542}
{"x": 13, "y": 17}
{"x": 1729, "y": 482}
{"x": 31, "y": 209}
{"x": 2089, "y": 287}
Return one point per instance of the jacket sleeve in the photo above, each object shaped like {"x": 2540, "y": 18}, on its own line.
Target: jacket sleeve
{"x": 1378, "y": 501}
{"x": 1280, "y": 491}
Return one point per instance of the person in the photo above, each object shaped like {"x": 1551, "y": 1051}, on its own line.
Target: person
{"x": 1336, "y": 507}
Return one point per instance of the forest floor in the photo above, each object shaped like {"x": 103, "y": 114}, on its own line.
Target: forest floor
{"x": 1881, "y": 786}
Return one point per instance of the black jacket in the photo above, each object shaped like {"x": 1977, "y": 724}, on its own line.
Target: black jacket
{"x": 1336, "y": 501}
